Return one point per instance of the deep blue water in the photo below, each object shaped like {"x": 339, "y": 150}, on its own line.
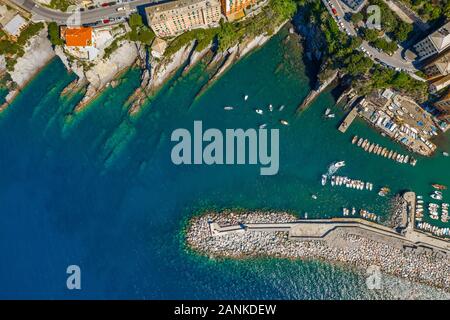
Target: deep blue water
{"x": 98, "y": 189}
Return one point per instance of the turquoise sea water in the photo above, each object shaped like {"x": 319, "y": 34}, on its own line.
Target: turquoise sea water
{"x": 99, "y": 190}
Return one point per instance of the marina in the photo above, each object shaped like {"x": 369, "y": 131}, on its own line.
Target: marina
{"x": 381, "y": 151}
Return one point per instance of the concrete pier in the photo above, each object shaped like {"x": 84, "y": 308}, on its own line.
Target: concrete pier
{"x": 328, "y": 229}
{"x": 348, "y": 120}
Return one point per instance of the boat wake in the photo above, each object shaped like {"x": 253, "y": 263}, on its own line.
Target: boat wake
{"x": 334, "y": 167}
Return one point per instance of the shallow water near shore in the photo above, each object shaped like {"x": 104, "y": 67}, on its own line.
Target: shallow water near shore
{"x": 98, "y": 189}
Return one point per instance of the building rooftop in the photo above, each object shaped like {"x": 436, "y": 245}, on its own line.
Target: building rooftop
{"x": 78, "y": 37}
{"x": 173, "y": 5}
{"x": 14, "y": 26}
{"x": 159, "y": 45}
{"x": 441, "y": 37}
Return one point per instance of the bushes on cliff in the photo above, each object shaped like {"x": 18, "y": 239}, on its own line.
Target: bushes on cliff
{"x": 139, "y": 31}
{"x": 53, "y": 34}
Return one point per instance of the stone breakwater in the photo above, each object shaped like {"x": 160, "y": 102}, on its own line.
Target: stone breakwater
{"x": 346, "y": 248}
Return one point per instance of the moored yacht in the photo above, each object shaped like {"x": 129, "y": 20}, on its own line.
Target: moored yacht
{"x": 324, "y": 179}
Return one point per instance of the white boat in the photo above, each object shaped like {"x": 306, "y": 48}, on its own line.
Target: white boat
{"x": 259, "y": 111}
{"x": 445, "y": 154}
{"x": 245, "y": 97}
{"x": 314, "y": 197}
{"x": 327, "y": 112}
{"x": 228, "y": 108}
{"x": 324, "y": 179}
{"x": 281, "y": 107}
{"x": 263, "y": 126}
{"x": 339, "y": 164}
{"x": 270, "y": 108}
{"x": 436, "y": 197}
{"x": 331, "y": 115}
{"x": 284, "y": 122}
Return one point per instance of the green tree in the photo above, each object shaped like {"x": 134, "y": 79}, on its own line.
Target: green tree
{"x": 371, "y": 35}
{"x": 53, "y": 34}
{"x": 284, "y": 8}
{"x": 357, "y": 64}
{"x": 402, "y": 31}
{"x": 227, "y": 36}
{"x": 357, "y": 17}
{"x": 135, "y": 20}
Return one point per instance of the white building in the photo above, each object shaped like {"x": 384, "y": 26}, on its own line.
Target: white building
{"x": 435, "y": 43}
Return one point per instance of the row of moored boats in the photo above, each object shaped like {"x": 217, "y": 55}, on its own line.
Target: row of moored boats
{"x": 351, "y": 183}
{"x": 362, "y": 213}
{"x": 438, "y": 231}
{"x": 433, "y": 209}
{"x": 383, "y": 151}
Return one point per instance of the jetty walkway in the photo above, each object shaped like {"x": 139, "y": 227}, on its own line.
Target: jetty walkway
{"x": 348, "y": 120}
{"x": 409, "y": 239}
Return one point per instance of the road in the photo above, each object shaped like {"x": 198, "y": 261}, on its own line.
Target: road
{"x": 395, "y": 61}
{"x": 89, "y": 16}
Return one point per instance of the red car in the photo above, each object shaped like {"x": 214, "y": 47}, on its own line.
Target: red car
{"x": 106, "y": 21}
{"x": 334, "y": 11}
{"x": 105, "y": 4}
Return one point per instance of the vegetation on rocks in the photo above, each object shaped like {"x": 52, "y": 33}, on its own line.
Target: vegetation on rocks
{"x": 62, "y": 5}
{"x": 54, "y": 35}
{"x": 139, "y": 31}
{"x": 15, "y": 49}
{"x": 228, "y": 34}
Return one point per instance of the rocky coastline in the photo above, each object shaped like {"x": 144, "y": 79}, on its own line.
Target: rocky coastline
{"x": 38, "y": 53}
{"x": 350, "y": 249}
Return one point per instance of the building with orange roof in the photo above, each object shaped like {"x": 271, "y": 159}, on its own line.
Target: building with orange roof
{"x": 234, "y": 9}
{"x": 77, "y": 37}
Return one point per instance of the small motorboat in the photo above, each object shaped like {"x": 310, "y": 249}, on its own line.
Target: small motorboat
{"x": 245, "y": 97}
{"x": 270, "y": 108}
{"x": 281, "y": 107}
{"x": 445, "y": 154}
{"x": 284, "y": 122}
{"x": 263, "y": 126}
{"x": 436, "y": 196}
{"x": 339, "y": 164}
{"x": 228, "y": 108}
{"x": 324, "y": 179}
{"x": 438, "y": 186}
{"x": 259, "y": 111}
{"x": 314, "y": 197}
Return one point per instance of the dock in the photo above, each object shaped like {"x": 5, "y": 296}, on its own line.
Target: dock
{"x": 348, "y": 120}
